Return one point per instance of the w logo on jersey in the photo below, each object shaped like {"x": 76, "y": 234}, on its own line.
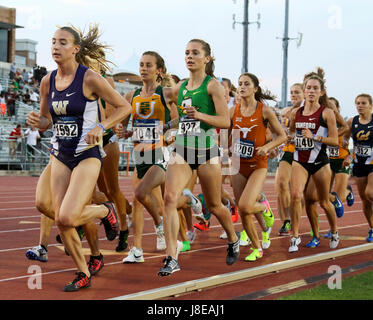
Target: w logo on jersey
{"x": 59, "y": 107}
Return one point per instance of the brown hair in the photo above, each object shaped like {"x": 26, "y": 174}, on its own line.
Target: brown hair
{"x": 259, "y": 94}
{"x": 91, "y": 50}
{"x": 210, "y": 66}
{"x": 365, "y": 95}
{"x": 164, "y": 78}
{"x": 335, "y": 101}
{"x": 319, "y": 76}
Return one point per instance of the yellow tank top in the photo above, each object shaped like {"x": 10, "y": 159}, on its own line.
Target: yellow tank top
{"x": 148, "y": 118}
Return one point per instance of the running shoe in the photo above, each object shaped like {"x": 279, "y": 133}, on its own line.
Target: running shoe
{"x": 244, "y": 239}
{"x": 135, "y": 255}
{"x": 186, "y": 246}
{"x": 202, "y": 225}
{"x": 122, "y": 241}
{"x": 80, "y": 282}
{"x": 254, "y": 255}
{"x": 205, "y": 210}
{"x": 170, "y": 266}
{"x": 334, "y": 240}
{"x": 233, "y": 251}
{"x": 350, "y": 197}
{"x": 191, "y": 235}
{"x": 161, "y": 241}
{"x": 194, "y": 203}
{"x": 328, "y": 235}
{"x": 370, "y": 236}
{"x": 37, "y": 253}
{"x": 223, "y": 235}
{"x": 294, "y": 243}
{"x": 315, "y": 242}
{"x": 338, "y": 205}
{"x": 268, "y": 216}
{"x": 266, "y": 242}
{"x": 95, "y": 264}
{"x": 234, "y": 211}
{"x": 110, "y": 222}
{"x": 285, "y": 229}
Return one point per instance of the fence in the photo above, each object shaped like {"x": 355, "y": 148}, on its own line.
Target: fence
{"x": 34, "y": 159}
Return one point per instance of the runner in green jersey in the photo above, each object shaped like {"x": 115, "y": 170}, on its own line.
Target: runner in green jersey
{"x": 202, "y": 108}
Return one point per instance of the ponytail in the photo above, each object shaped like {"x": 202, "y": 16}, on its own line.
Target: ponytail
{"x": 92, "y": 51}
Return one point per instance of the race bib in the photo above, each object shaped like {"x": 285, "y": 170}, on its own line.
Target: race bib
{"x": 244, "y": 148}
{"x": 363, "y": 151}
{"x": 302, "y": 143}
{"x": 66, "y": 128}
{"x": 189, "y": 127}
{"x": 146, "y": 131}
{"x": 332, "y": 152}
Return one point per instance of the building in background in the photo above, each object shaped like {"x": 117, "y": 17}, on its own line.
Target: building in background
{"x": 7, "y": 34}
{"x": 26, "y": 53}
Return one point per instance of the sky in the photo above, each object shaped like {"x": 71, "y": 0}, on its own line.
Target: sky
{"x": 336, "y": 35}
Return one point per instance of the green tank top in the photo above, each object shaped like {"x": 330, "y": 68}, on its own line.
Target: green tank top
{"x": 188, "y": 134}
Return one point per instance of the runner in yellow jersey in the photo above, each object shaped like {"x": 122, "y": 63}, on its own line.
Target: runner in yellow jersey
{"x": 152, "y": 110}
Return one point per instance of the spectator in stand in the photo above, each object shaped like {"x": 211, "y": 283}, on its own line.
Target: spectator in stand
{"x": 33, "y": 136}
{"x": 2, "y": 104}
{"x": 24, "y": 76}
{"x": 14, "y": 135}
{"x": 10, "y": 100}
{"x": 34, "y": 97}
{"x": 13, "y": 70}
{"x": 27, "y": 97}
{"x": 30, "y": 76}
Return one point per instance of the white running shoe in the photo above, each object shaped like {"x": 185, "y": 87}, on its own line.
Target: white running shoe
{"x": 135, "y": 255}
{"x": 37, "y": 253}
{"x": 178, "y": 248}
{"x": 161, "y": 241}
{"x": 266, "y": 242}
{"x": 294, "y": 243}
{"x": 191, "y": 235}
{"x": 334, "y": 240}
{"x": 195, "y": 204}
{"x": 244, "y": 239}
{"x": 223, "y": 235}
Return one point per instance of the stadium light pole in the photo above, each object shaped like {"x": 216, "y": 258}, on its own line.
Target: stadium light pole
{"x": 245, "y": 23}
{"x": 285, "y": 44}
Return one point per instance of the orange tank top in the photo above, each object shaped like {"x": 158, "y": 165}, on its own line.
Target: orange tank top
{"x": 248, "y": 134}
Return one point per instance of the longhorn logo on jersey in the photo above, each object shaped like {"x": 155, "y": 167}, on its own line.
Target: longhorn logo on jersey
{"x": 59, "y": 107}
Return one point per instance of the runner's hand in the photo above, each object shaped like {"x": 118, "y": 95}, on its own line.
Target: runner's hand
{"x": 33, "y": 119}
{"x": 94, "y": 135}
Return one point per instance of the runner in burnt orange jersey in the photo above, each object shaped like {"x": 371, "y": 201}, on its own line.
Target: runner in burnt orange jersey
{"x": 249, "y": 123}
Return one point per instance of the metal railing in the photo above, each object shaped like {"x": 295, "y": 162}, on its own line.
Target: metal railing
{"x": 34, "y": 158}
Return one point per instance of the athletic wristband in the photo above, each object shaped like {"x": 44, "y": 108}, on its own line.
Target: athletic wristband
{"x": 101, "y": 126}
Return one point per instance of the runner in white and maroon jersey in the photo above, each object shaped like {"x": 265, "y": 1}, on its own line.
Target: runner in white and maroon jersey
{"x": 315, "y": 127}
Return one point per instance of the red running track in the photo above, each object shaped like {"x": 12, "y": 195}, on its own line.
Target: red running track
{"x": 19, "y": 231}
